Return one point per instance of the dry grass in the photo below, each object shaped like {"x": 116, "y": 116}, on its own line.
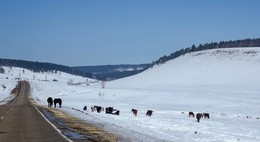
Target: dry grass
{"x": 97, "y": 133}
{"x": 16, "y": 90}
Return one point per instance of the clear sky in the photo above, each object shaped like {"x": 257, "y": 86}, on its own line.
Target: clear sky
{"x": 100, "y": 32}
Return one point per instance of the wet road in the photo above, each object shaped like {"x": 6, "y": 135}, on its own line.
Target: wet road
{"x": 21, "y": 122}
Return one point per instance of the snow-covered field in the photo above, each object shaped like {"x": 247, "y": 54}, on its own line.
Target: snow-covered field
{"x": 222, "y": 82}
{"x": 6, "y": 86}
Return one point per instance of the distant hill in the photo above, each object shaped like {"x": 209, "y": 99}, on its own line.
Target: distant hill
{"x": 111, "y": 72}
{"x": 213, "y": 45}
{"x": 226, "y": 67}
{"x": 42, "y": 67}
{"x": 106, "y": 72}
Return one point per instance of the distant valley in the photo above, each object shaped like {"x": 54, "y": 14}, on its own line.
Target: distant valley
{"x": 112, "y": 72}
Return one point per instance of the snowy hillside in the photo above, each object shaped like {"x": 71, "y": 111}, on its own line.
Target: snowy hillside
{"x": 221, "y": 82}
{"x": 12, "y": 75}
{"x": 219, "y": 67}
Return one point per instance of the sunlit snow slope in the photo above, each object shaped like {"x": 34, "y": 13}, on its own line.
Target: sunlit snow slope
{"x": 234, "y": 67}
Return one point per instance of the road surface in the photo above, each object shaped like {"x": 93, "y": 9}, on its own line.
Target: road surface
{"x": 21, "y": 122}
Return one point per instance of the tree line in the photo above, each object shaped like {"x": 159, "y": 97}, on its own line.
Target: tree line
{"x": 207, "y": 46}
{"x": 42, "y": 67}
{"x": 50, "y": 67}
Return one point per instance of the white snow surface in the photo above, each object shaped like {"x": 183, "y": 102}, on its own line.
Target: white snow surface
{"x": 222, "y": 82}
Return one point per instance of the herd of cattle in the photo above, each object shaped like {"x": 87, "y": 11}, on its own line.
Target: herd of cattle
{"x": 111, "y": 110}
{"x": 199, "y": 115}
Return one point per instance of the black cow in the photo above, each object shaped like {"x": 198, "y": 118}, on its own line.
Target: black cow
{"x": 134, "y": 112}
{"x": 50, "y": 101}
{"x": 149, "y": 113}
{"x": 117, "y": 112}
{"x": 199, "y": 116}
{"x": 109, "y": 110}
{"x": 97, "y": 108}
{"x": 206, "y": 115}
{"x": 59, "y": 101}
{"x": 191, "y": 114}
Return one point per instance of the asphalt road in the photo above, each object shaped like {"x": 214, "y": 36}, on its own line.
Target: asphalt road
{"x": 21, "y": 122}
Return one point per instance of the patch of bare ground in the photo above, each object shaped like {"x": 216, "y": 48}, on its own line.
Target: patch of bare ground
{"x": 93, "y": 131}
{"x": 16, "y": 90}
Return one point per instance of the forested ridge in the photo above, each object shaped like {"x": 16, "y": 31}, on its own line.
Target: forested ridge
{"x": 41, "y": 67}
{"x": 106, "y": 72}
{"x": 207, "y": 46}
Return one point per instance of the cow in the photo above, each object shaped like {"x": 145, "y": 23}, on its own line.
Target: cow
{"x": 93, "y": 108}
{"x": 149, "y": 113}
{"x": 117, "y": 112}
{"x": 206, "y": 115}
{"x": 59, "y": 101}
{"x": 109, "y": 110}
{"x": 97, "y": 108}
{"x": 85, "y": 108}
{"x": 50, "y": 101}
{"x": 199, "y": 116}
{"x": 191, "y": 114}
{"x": 134, "y": 112}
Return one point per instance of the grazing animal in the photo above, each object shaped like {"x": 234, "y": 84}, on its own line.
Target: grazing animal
{"x": 93, "y": 108}
{"x": 149, "y": 113}
{"x": 134, "y": 112}
{"x": 117, "y": 112}
{"x": 50, "y": 101}
{"x": 109, "y": 110}
{"x": 191, "y": 114}
{"x": 199, "y": 116}
{"x": 97, "y": 108}
{"x": 206, "y": 115}
{"x": 85, "y": 108}
{"x": 59, "y": 101}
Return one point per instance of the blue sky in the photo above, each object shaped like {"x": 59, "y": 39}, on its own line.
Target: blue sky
{"x": 100, "y": 32}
